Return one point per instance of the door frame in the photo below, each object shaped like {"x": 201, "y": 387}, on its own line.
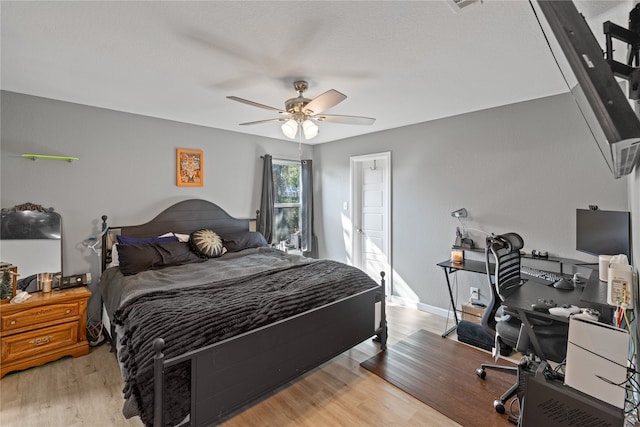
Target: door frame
{"x": 356, "y": 212}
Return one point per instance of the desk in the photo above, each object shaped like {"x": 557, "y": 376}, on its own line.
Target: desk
{"x": 592, "y": 294}
{"x": 520, "y": 300}
{"x": 453, "y": 267}
{"x": 550, "y": 259}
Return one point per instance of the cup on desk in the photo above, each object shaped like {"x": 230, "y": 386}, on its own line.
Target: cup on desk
{"x": 45, "y": 281}
{"x": 457, "y": 256}
{"x": 603, "y": 267}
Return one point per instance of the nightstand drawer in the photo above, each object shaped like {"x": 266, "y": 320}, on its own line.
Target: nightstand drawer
{"x": 36, "y": 342}
{"x": 38, "y": 315}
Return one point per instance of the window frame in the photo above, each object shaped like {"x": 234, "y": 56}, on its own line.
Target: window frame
{"x": 276, "y": 205}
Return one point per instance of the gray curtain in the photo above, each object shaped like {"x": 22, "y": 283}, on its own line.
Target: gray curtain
{"x": 265, "y": 223}
{"x": 309, "y": 242}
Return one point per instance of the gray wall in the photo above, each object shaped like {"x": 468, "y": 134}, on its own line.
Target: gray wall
{"x": 537, "y": 153}
{"x": 524, "y": 167}
{"x": 126, "y": 168}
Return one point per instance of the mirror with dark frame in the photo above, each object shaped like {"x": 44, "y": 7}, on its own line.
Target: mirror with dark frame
{"x": 31, "y": 240}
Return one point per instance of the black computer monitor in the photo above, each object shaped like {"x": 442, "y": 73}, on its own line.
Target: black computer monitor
{"x": 603, "y": 232}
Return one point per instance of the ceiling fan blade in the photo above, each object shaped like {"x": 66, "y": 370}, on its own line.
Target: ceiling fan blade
{"x": 281, "y": 119}
{"x": 325, "y": 101}
{"x": 255, "y": 104}
{"x": 347, "y": 120}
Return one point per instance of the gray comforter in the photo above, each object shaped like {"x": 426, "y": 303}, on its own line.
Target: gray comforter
{"x": 195, "y": 305}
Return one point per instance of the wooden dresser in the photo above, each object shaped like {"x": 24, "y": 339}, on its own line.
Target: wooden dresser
{"x": 46, "y": 327}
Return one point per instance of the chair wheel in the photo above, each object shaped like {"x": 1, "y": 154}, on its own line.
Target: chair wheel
{"x": 498, "y": 406}
{"x": 481, "y": 373}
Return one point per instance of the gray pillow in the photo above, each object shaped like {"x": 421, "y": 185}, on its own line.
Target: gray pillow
{"x": 137, "y": 258}
{"x": 235, "y": 242}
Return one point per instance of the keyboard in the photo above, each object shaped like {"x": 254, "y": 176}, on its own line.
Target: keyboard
{"x": 547, "y": 276}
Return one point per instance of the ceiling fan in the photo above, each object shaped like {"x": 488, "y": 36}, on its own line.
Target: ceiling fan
{"x": 302, "y": 113}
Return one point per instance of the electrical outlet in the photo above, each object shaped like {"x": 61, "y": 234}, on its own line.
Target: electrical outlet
{"x": 475, "y": 293}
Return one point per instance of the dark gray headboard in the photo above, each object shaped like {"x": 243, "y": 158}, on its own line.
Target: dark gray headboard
{"x": 183, "y": 217}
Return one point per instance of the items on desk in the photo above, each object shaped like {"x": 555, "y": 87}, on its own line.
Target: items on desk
{"x": 539, "y": 254}
{"x": 603, "y": 267}
{"x": 588, "y": 314}
{"x": 568, "y": 310}
{"x": 462, "y": 241}
{"x": 565, "y": 310}
{"x": 566, "y": 283}
{"x": 563, "y": 284}
{"x": 619, "y": 282}
{"x": 543, "y": 305}
{"x": 468, "y": 243}
{"x": 548, "y": 276}
{"x": 458, "y": 241}
{"x": 619, "y": 314}
{"x": 457, "y": 256}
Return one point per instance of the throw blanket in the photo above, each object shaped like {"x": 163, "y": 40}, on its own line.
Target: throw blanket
{"x": 191, "y": 318}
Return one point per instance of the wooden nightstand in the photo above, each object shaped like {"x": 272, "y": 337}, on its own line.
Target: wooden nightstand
{"x": 46, "y": 327}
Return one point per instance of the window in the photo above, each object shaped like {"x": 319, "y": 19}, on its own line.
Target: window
{"x": 288, "y": 188}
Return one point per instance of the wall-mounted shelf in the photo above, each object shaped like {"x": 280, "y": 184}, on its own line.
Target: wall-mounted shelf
{"x": 43, "y": 156}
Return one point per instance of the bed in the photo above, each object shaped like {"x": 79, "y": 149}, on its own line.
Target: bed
{"x": 201, "y": 338}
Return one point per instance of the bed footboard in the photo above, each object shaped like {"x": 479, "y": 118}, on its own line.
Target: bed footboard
{"x": 231, "y": 374}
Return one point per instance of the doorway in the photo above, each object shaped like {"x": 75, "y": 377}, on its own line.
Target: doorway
{"x": 371, "y": 215}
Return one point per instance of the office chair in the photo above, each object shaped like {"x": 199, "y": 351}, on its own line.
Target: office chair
{"x": 502, "y": 257}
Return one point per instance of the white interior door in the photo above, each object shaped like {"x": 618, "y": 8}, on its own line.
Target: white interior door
{"x": 371, "y": 214}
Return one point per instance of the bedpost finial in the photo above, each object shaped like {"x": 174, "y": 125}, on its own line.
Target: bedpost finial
{"x": 382, "y": 274}
{"x": 158, "y": 345}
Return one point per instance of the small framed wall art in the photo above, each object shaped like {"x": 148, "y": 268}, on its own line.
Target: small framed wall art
{"x": 190, "y": 168}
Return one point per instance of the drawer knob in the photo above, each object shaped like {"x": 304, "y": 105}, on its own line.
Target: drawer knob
{"x": 41, "y": 340}
{"x": 13, "y": 322}
{"x": 68, "y": 311}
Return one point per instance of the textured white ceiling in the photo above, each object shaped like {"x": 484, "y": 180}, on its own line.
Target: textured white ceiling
{"x": 398, "y": 61}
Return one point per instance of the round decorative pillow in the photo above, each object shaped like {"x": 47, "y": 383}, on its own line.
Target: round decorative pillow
{"x": 206, "y": 244}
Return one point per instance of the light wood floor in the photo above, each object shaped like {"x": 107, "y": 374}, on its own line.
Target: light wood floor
{"x": 88, "y": 391}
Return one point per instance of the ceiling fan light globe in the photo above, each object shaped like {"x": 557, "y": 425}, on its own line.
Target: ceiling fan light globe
{"x": 290, "y": 128}
{"x": 310, "y": 129}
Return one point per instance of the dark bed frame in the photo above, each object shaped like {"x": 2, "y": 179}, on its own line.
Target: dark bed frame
{"x": 229, "y": 376}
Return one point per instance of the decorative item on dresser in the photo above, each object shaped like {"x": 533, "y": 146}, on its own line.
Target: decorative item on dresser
{"x": 29, "y": 229}
{"x": 46, "y": 327}
{"x": 8, "y": 275}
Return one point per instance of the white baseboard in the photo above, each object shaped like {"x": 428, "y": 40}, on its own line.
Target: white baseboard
{"x": 421, "y": 306}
